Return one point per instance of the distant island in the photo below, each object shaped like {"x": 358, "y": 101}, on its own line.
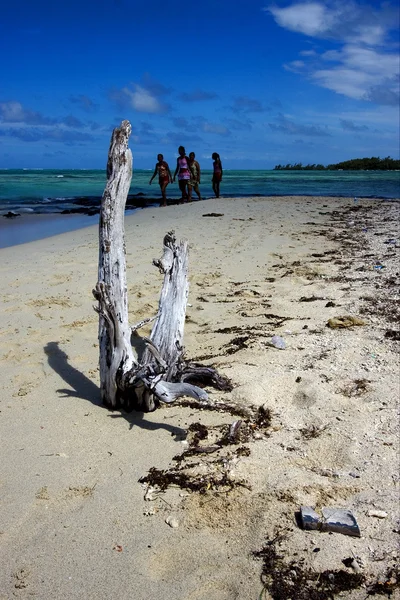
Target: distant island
{"x": 356, "y": 164}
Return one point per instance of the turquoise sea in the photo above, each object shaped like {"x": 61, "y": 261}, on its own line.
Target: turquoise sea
{"x": 53, "y": 191}
{"x": 59, "y": 192}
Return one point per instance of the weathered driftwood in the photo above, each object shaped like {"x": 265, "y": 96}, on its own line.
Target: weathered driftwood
{"x": 111, "y": 292}
{"x": 160, "y": 373}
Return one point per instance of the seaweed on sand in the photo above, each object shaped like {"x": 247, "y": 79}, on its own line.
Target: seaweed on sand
{"x": 284, "y": 580}
{"x": 313, "y": 431}
{"x": 218, "y": 474}
{"x": 219, "y": 479}
{"x": 199, "y": 431}
{"x": 358, "y": 387}
{"x": 387, "y": 584}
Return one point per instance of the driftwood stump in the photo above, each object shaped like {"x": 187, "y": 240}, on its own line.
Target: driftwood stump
{"x": 161, "y": 373}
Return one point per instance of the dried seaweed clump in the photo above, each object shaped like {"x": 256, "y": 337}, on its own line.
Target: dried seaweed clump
{"x": 217, "y": 480}
{"x": 213, "y": 473}
{"x": 196, "y": 432}
{"x": 358, "y": 387}
{"x": 386, "y": 584}
{"x": 292, "y": 580}
{"x": 312, "y": 431}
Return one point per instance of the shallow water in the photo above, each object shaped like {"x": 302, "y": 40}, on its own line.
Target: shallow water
{"x": 50, "y": 191}
{"x": 44, "y": 194}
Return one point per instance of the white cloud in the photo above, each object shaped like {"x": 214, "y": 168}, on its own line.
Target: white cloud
{"x": 335, "y": 19}
{"x": 373, "y": 116}
{"x": 371, "y": 34}
{"x": 358, "y": 72}
{"x": 214, "y": 128}
{"x": 144, "y": 97}
{"x": 14, "y": 112}
{"x": 370, "y": 60}
{"x": 310, "y": 18}
{"x": 295, "y": 66}
{"x": 343, "y": 81}
{"x": 142, "y": 100}
{"x": 363, "y": 68}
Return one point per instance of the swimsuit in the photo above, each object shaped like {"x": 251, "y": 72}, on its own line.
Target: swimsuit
{"x": 217, "y": 171}
{"x": 194, "y": 177}
{"x": 163, "y": 176}
{"x": 184, "y": 172}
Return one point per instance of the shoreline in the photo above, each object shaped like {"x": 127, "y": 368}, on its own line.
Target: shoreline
{"x": 34, "y": 227}
{"x": 29, "y": 227}
{"x": 74, "y": 515}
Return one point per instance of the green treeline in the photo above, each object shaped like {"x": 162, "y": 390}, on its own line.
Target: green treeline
{"x": 356, "y": 164}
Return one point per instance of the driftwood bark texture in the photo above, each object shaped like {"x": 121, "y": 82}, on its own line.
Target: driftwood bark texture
{"x": 127, "y": 380}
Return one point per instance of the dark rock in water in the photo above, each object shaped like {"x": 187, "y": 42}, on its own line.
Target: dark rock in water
{"x": 11, "y": 215}
{"x": 136, "y": 200}
{"x": 90, "y": 211}
{"x": 87, "y": 201}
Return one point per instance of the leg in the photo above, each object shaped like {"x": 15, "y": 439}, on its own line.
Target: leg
{"x": 197, "y": 190}
{"x": 190, "y": 187}
{"x": 163, "y": 187}
{"x": 182, "y": 187}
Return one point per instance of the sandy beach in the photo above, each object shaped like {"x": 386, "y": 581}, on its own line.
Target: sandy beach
{"x": 75, "y": 522}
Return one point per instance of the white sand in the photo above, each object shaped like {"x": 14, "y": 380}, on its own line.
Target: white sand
{"x": 73, "y": 520}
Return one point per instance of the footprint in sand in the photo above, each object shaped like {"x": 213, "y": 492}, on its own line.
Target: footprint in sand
{"x": 52, "y": 300}
{"x": 305, "y": 397}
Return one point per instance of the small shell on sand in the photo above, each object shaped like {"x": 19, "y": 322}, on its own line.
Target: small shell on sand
{"x": 172, "y": 522}
{"x": 379, "y": 514}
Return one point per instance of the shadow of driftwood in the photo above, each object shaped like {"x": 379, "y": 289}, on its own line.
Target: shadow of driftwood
{"x": 83, "y": 387}
{"x": 138, "y": 419}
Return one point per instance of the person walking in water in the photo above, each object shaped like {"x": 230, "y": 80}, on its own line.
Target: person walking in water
{"x": 195, "y": 176}
{"x": 217, "y": 175}
{"x": 184, "y": 173}
{"x": 164, "y": 177}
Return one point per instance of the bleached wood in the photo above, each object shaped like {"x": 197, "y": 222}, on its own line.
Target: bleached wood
{"x": 160, "y": 373}
{"x": 111, "y": 290}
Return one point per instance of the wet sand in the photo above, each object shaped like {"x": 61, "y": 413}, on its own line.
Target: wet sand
{"x": 29, "y": 228}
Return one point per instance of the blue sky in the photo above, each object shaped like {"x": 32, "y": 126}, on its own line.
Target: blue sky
{"x": 261, "y": 83}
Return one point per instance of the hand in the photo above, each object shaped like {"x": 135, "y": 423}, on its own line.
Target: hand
{"x": 150, "y": 181}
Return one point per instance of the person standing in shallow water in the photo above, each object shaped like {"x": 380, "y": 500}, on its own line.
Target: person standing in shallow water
{"x": 195, "y": 176}
{"x": 217, "y": 175}
{"x": 184, "y": 173}
{"x": 164, "y": 177}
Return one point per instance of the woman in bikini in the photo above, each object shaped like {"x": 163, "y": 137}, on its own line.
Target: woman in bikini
{"x": 184, "y": 173}
{"x": 195, "y": 176}
{"x": 164, "y": 177}
{"x": 217, "y": 175}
